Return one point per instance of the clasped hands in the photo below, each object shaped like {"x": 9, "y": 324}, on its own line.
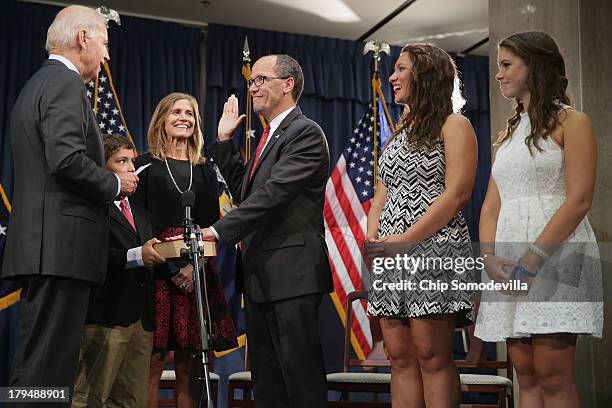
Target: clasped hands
{"x": 500, "y": 269}
{"x": 389, "y": 245}
{"x": 184, "y": 279}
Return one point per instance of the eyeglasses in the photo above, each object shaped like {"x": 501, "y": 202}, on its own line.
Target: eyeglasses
{"x": 260, "y": 79}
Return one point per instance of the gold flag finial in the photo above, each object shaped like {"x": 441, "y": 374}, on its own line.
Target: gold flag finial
{"x": 246, "y": 54}
{"x": 376, "y": 47}
{"x": 109, "y": 14}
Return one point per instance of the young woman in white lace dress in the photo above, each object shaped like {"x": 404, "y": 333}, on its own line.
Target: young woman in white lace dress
{"x": 540, "y": 190}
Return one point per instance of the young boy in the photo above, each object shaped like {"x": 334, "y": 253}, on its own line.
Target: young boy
{"x": 118, "y": 336}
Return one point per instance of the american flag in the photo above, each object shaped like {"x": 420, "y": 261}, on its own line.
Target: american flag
{"x": 105, "y": 104}
{"x": 347, "y": 201}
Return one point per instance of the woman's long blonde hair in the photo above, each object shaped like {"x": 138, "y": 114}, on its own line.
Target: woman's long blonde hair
{"x": 157, "y": 137}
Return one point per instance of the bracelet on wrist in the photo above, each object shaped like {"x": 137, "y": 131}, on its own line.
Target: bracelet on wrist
{"x": 519, "y": 272}
{"x": 539, "y": 252}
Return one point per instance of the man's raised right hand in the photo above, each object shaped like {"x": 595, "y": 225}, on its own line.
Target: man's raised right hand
{"x": 230, "y": 120}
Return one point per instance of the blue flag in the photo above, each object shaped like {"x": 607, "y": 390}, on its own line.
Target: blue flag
{"x": 385, "y": 130}
{"x": 226, "y": 264}
{"x": 9, "y": 298}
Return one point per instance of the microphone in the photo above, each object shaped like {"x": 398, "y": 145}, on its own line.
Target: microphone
{"x": 188, "y": 200}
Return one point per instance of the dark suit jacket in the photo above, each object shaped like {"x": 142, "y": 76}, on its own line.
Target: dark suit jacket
{"x": 59, "y": 223}
{"x": 128, "y": 294}
{"x": 280, "y": 218}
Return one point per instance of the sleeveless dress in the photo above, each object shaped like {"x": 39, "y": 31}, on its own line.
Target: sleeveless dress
{"x": 567, "y": 292}
{"x": 414, "y": 179}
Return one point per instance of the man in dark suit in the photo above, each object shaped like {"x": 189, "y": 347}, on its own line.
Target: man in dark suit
{"x": 279, "y": 222}
{"x": 118, "y": 337}
{"x": 57, "y": 245}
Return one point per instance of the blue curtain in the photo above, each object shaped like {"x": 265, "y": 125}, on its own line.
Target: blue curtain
{"x": 149, "y": 59}
{"x": 474, "y": 72}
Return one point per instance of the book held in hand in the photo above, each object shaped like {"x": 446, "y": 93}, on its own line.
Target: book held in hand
{"x": 172, "y": 249}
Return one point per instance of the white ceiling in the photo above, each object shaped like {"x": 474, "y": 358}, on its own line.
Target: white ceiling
{"x": 454, "y": 25}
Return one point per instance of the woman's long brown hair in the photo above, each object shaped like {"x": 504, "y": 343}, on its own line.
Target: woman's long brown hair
{"x": 434, "y": 94}
{"x": 546, "y": 82}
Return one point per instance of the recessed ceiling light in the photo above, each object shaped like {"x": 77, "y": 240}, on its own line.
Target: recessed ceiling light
{"x": 528, "y": 9}
{"x": 331, "y": 10}
{"x": 441, "y": 36}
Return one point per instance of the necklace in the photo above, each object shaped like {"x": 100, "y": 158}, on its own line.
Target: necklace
{"x": 174, "y": 181}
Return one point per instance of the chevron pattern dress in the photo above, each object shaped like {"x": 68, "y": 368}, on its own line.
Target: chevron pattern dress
{"x": 414, "y": 178}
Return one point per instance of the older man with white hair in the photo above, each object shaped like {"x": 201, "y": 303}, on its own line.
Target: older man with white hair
{"x": 57, "y": 246}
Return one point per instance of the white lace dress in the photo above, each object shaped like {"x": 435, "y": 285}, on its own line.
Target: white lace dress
{"x": 566, "y": 299}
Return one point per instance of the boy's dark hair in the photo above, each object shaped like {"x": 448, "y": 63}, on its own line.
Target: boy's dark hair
{"x": 113, "y": 143}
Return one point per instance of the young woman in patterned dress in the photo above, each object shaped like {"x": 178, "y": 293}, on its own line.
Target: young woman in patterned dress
{"x": 425, "y": 177}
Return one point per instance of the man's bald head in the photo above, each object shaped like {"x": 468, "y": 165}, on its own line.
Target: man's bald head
{"x": 62, "y": 33}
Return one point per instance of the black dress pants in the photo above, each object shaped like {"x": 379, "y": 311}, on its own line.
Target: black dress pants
{"x": 53, "y": 311}
{"x": 285, "y": 352}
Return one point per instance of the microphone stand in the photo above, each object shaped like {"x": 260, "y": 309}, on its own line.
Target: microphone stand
{"x": 192, "y": 237}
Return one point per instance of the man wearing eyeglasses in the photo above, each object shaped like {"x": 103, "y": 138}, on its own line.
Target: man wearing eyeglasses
{"x": 280, "y": 226}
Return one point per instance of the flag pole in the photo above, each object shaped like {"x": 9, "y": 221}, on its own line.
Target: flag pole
{"x": 376, "y": 47}
{"x": 246, "y": 73}
{"x": 375, "y": 86}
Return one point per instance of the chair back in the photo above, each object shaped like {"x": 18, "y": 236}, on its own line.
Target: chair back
{"x": 476, "y": 357}
{"x": 377, "y": 357}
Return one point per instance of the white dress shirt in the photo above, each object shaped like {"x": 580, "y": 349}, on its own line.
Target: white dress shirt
{"x": 274, "y": 124}
{"x": 134, "y": 255}
{"x": 65, "y": 61}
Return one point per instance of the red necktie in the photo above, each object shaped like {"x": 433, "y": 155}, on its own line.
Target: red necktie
{"x": 125, "y": 210}
{"x": 260, "y": 147}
